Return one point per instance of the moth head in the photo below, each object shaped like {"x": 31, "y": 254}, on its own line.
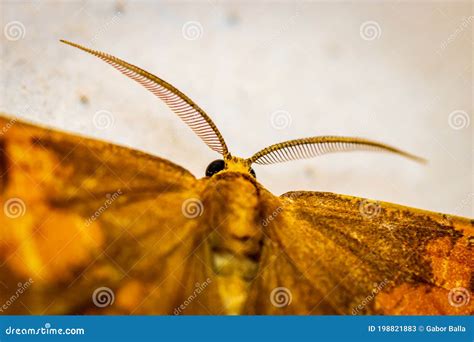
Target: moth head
{"x": 234, "y": 164}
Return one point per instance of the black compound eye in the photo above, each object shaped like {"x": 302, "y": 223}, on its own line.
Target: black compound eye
{"x": 252, "y": 172}
{"x": 214, "y": 167}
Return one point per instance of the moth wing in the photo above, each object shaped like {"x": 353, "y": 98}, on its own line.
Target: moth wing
{"x": 335, "y": 254}
{"x": 91, "y": 227}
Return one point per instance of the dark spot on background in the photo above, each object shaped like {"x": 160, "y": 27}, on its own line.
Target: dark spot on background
{"x": 232, "y": 18}
{"x": 119, "y": 7}
{"x": 83, "y": 99}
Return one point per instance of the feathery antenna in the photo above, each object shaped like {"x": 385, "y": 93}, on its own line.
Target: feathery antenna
{"x": 179, "y": 103}
{"x": 316, "y": 146}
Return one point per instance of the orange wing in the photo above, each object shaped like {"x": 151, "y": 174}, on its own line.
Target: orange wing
{"x": 335, "y": 254}
{"x": 90, "y": 227}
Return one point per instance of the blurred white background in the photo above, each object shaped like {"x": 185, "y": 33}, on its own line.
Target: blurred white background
{"x": 397, "y": 72}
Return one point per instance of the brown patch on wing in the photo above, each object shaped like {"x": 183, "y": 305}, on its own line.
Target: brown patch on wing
{"x": 422, "y": 299}
{"x": 452, "y": 289}
{"x": 351, "y": 250}
{"x": 452, "y": 266}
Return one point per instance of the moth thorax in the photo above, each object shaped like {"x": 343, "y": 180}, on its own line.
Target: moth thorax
{"x": 235, "y": 238}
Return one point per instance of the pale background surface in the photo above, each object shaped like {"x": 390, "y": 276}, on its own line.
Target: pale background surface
{"x": 309, "y": 60}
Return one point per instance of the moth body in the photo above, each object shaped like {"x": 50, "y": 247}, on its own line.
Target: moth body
{"x": 236, "y": 234}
